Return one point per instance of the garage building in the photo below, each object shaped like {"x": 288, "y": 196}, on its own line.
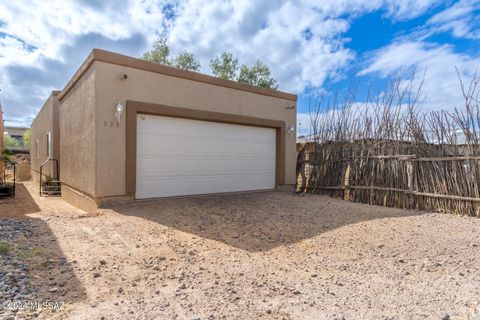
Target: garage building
{"x": 125, "y": 129}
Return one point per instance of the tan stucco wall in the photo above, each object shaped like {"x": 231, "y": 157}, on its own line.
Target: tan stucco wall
{"x": 24, "y": 172}
{"x": 79, "y": 199}
{"x": 45, "y": 121}
{"x": 77, "y": 135}
{"x": 157, "y": 88}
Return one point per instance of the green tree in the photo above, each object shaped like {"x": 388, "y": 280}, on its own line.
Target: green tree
{"x": 160, "y": 52}
{"x": 7, "y": 154}
{"x": 257, "y": 75}
{"x": 27, "y": 138}
{"x": 9, "y": 142}
{"x": 225, "y": 66}
{"x": 186, "y": 61}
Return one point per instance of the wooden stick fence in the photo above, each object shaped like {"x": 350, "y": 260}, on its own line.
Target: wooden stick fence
{"x": 385, "y": 151}
{"x": 406, "y": 181}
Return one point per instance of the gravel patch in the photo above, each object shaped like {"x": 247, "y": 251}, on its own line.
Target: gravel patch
{"x": 15, "y": 278}
{"x": 271, "y": 255}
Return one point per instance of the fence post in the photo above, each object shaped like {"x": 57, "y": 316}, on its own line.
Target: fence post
{"x": 410, "y": 196}
{"x": 301, "y": 168}
{"x": 346, "y": 181}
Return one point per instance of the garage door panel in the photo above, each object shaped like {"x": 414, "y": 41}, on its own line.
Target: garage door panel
{"x": 197, "y": 128}
{"x": 202, "y": 147}
{"x": 226, "y": 167}
{"x": 177, "y": 186}
{"x": 247, "y": 139}
{"x": 186, "y": 157}
{"x": 205, "y": 151}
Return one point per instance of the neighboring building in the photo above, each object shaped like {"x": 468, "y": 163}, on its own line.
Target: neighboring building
{"x": 16, "y": 133}
{"x": 132, "y": 129}
{"x": 45, "y": 138}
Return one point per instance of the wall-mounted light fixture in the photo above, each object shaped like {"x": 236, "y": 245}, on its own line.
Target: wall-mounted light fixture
{"x": 118, "y": 112}
{"x": 290, "y": 130}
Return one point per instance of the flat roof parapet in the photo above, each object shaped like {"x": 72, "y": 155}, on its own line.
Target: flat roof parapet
{"x": 123, "y": 60}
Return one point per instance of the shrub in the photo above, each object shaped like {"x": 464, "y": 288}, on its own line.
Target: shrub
{"x": 4, "y": 247}
{"x": 10, "y": 142}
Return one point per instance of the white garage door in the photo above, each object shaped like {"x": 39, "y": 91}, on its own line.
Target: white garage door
{"x": 178, "y": 157}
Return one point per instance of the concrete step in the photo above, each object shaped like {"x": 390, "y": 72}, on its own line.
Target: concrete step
{"x": 54, "y": 182}
{"x": 51, "y": 193}
{"x": 51, "y": 187}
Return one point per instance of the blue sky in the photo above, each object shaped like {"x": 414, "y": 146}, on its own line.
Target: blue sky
{"x": 310, "y": 45}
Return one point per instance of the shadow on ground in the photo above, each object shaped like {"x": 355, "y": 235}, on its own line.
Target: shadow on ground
{"x": 35, "y": 252}
{"x": 19, "y": 206}
{"x": 257, "y": 221}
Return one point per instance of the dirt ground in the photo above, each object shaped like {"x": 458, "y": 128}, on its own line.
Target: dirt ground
{"x": 271, "y": 255}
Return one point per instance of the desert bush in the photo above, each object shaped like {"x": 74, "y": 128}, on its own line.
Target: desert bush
{"x": 4, "y": 247}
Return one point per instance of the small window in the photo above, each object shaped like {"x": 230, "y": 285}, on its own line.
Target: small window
{"x": 49, "y": 145}
{"x": 36, "y": 149}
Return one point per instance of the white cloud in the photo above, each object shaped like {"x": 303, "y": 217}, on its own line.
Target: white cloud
{"x": 441, "y": 84}
{"x": 14, "y": 50}
{"x": 301, "y": 40}
{"x": 266, "y": 30}
{"x": 304, "y": 124}
{"x": 45, "y": 27}
{"x": 43, "y": 42}
{"x": 408, "y": 9}
{"x": 461, "y": 20}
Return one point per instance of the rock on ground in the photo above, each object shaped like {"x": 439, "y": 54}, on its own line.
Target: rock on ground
{"x": 271, "y": 255}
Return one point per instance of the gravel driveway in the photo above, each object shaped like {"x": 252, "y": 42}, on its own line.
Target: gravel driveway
{"x": 270, "y": 255}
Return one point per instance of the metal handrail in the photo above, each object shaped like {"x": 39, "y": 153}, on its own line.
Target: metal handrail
{"x": 41, "y": 169}
{"x": 4, "y": 159}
